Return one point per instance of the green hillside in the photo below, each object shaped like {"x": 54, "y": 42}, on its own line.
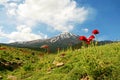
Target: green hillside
{"x": 91, "y": 63}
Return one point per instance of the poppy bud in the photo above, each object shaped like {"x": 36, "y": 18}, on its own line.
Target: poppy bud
{"x": 95, "y": 31}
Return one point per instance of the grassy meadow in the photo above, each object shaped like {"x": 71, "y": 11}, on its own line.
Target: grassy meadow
{"x": 91, "y": 63}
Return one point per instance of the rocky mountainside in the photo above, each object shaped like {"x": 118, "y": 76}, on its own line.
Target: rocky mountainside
{"x": 63, "y": 41}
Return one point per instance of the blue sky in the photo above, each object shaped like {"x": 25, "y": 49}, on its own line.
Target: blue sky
{"x": 107, "y": 18}
{"x": 25, "y": 20}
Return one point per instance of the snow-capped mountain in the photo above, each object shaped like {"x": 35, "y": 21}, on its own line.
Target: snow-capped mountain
{"x": 63, "y": 36}
{"x": 62, "y": 40}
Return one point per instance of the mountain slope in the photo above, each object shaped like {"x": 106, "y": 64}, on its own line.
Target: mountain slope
{"x": 92, "y": 63}
{"x": 63, "y": 41}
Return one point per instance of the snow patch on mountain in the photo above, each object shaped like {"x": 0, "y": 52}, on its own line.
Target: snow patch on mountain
{"x": 62, "y": 36}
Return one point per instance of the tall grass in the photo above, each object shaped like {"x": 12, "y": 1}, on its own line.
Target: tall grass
{"x": 91, "y": 63}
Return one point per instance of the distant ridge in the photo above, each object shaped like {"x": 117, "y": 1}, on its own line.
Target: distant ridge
{"x": 63, "y": 41}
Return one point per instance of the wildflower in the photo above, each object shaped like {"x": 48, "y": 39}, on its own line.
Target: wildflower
{"x": 44, "y": 46}
{"x": 91, "y": 38}
{"x": 95, "y": 32}
{"x": 83, "y": 38}
{"x": 87, "y": 42}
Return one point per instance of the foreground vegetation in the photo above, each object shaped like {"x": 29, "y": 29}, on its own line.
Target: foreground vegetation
{"x": 91, "y": 63}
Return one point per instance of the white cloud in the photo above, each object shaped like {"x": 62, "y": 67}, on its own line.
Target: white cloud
{"x": 11, "y": 9}
{"x": 23, "y": 33}
{"x": 58, "y": 14}
{"x": 85, "y": 30}
{"x": 3, "y": 2}
{"x": 11, "y": 12}
{"x": 15, "y": 0}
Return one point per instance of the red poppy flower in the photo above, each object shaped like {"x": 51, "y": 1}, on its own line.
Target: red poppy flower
{"x": 95, "y": 31}
{"x": 87, "y": 42}
{"x": 91, "y": 38}
{"x": 83, "y": 38}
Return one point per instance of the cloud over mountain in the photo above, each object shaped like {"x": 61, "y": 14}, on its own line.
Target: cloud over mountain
{"x": 58, "y": 14}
